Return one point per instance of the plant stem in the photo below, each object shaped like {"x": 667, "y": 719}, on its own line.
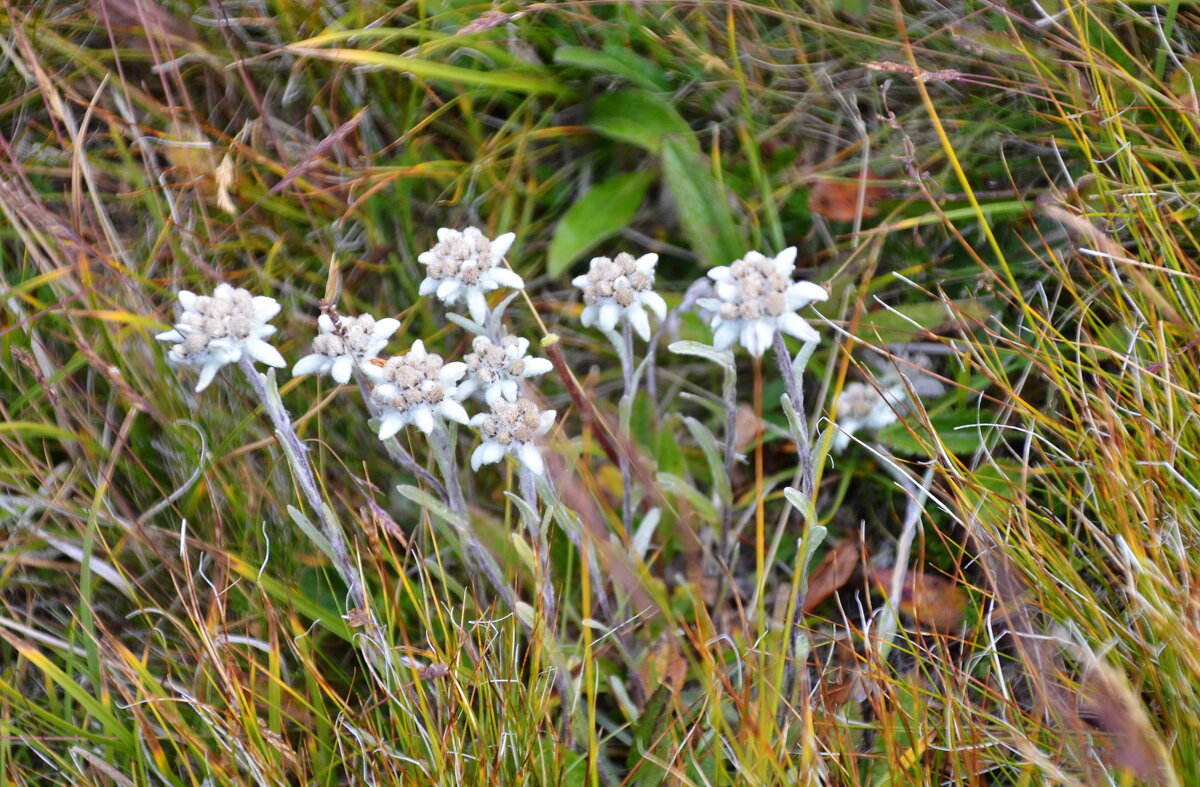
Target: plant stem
{"x": 298, "y": 458}
{"x": 795, "y": 391}
{"x": 730, "y": 394}
{"x": 395, "y": 449}
{"x": 626, "y": 470}
{"x": 443, "y": 452}
{"x": 540, "y": 544}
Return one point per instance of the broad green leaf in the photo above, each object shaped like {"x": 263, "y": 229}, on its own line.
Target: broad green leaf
{"x": 646, "y": 731}
{"x": 908, "y": 322}
{"x": 722, "y": 358}
{"x": 606, "y": 209}
{"x": 618, "y": 62}
{"x": 959, "y": 431}
{"x": 640, "y": 118}
{"x": 703, "y": 204}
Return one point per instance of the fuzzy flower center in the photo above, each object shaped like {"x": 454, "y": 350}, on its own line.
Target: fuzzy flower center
{"x": 354, "y": 337}
{"x": 227, "y": 314}
{"x": 491, "y": 362}
{"x": 410, "y": 382}
{"x": 760, "y": 290}
{"x": 465, "y": 255}
{"x": 617, "y": 278}
{"x": 857, "y": 401}
{"x": 509, "y": 423}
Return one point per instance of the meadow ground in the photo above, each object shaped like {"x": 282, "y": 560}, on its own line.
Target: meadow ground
{"x": 958, "y": 546}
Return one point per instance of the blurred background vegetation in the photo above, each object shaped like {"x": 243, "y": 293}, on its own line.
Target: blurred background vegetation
{"x": 1011, "y": 190}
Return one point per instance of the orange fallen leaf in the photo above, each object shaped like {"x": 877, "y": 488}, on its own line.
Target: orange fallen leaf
{"x": 837, "y": 200}
{"x": 835, "y": 570}
{"x": 933, "y": 601}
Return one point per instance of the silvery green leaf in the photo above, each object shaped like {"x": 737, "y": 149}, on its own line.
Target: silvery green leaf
{"x": 719, "y": 357}
{"x": 645, "y": 532}
{"x": 526, "y": 510}
{"x": 797, "y": 498}
{"x": 312, "y": 533}
{"x": 466, "y": 322}
{"x": 497, "y": 313}
{"x": 708, "y": 444}
{"x": 702, "y": 505}
{"x": 432, "y": 505}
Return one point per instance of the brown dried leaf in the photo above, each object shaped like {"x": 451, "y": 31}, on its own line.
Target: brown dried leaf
{"x": 933, "y": 601}
{"x": 834, "y": 571}
{"x": 837, "y": 200}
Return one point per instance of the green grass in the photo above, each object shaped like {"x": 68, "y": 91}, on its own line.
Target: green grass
{"x": 163, "y": 619}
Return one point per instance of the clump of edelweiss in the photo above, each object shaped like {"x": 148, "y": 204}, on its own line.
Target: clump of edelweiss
{"x": 496, "y": 368}
{"x": 755, "y": 297}
{"x": 219, "y": 329}
{"x": 340, "y": 347}
{"x": 465, "y": 266}
{"x": 418, "y": 389}
{"x": 511, "y": 428}
{"x": 621, "y": 288}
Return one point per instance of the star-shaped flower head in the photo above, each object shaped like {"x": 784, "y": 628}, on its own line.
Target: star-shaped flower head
{"x": 621, "y": 289}
{"x": 862, "y": 406}
{"x": 496, "y": 368}
{"x": 512, "y": 428}
{"x": 417, "y": 388}
{"x": 465, "y": 266}
{"x": 218, "y": 329}
{"x": 341, "y": 346}
{"x": 756, "y": 297}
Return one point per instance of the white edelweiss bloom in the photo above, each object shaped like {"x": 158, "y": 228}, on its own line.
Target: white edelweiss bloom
{"x": 862, "y": 406}
{"x": 621, "y": 289}
{"x": 756, "y": 297}
{"x": 465, "y": 266}
{"x": 341, "y": 346}
{"x": 496, "y": 368}
{"x": 511, "y": 428}
{"x": 417, "y": 388}
{"x": 218, "y": 329}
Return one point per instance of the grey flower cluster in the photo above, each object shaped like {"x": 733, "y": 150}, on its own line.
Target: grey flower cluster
{"x": 496, "y": 367}
{"x": 511, "y": 428}
{"x": 620, "y": 288}
{"x": 417, "y": 388}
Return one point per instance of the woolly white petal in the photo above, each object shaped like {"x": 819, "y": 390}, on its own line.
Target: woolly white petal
{"x": 502, "y": 244}
{"x": 795, "y": 325}
{"x": 452, "y": 372}
{"x": 417, "y": 351}
{"x": 447, "y": 289}
{"x": 610, "y": 312}
{"x": 445, "y": 232}
{"x": 727, "y": 291}
{"x": 656, "y": 303}
{"x": 324, "y": 323}
{"x": 385, "y": 328}
{"x": 187, "y": 299}
{"x": 640, "y": 322}
{"x": 785, "y": 261}
{"x": 169, "y": 336}
{"x": 840, "y": 440}
{"x": 422, "y": 418}
{"x": 725, "y": 335}
{"x": 508, "y": 389}
{"x": 645, "y": 263}
{"x": 537, "y": 366}
{"x": 264, "y": 353}
{"x": 506, "y": 278}
{"x": 428, "y": 285}
{"x": 343, "y": 367}
{"x": 489, "y": 452}
{"x": 589, "y": 315}
{"x": 531, "y": 458}
{"x": 493, "y": 393}
{"x": 311, "y": 364}
{"x": 477, "y": 305}
{"x": 454, "y": 411}
{"x": 390, "y": 423}
{"x": 802, "y": 293}
{"x": 207, "y": 373}
{"x": 546, "y": 420}
{"x": 756, "y": 336}
{"x": 719, "y": 273}
{"x": 373, "y": 372}
{"x": 880, "y": 416}
{"x": 709, "y": 304}
{"x": 580, "y": 281}
{"x": 265, "y": 308}
{"x": 478, "y": 419}
{"x": 426, "y": 257}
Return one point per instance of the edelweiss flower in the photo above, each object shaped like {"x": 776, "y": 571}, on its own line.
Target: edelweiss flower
{"x": 466, "y": 265}
{"x": 862, "y": 406}
{"x": 756, "y": 297}
{"x": 496, "y": 368}
{"x": 510, "y": 428}
{"x": 414, "y": 389}
{"x": 341, "y": 346}
{"x": 620, "y": 288}
{"x": 216, "y": 330}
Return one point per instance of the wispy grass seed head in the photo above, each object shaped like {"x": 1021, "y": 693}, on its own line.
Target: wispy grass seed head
{"x": 756, "y": 297}
{"x": 466, "y": 266}
{"x": 618, "y": 289}
{"x": 350, "y": 342}
{"x": 417, "y": 388}
{"x": 218, "y": 329}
